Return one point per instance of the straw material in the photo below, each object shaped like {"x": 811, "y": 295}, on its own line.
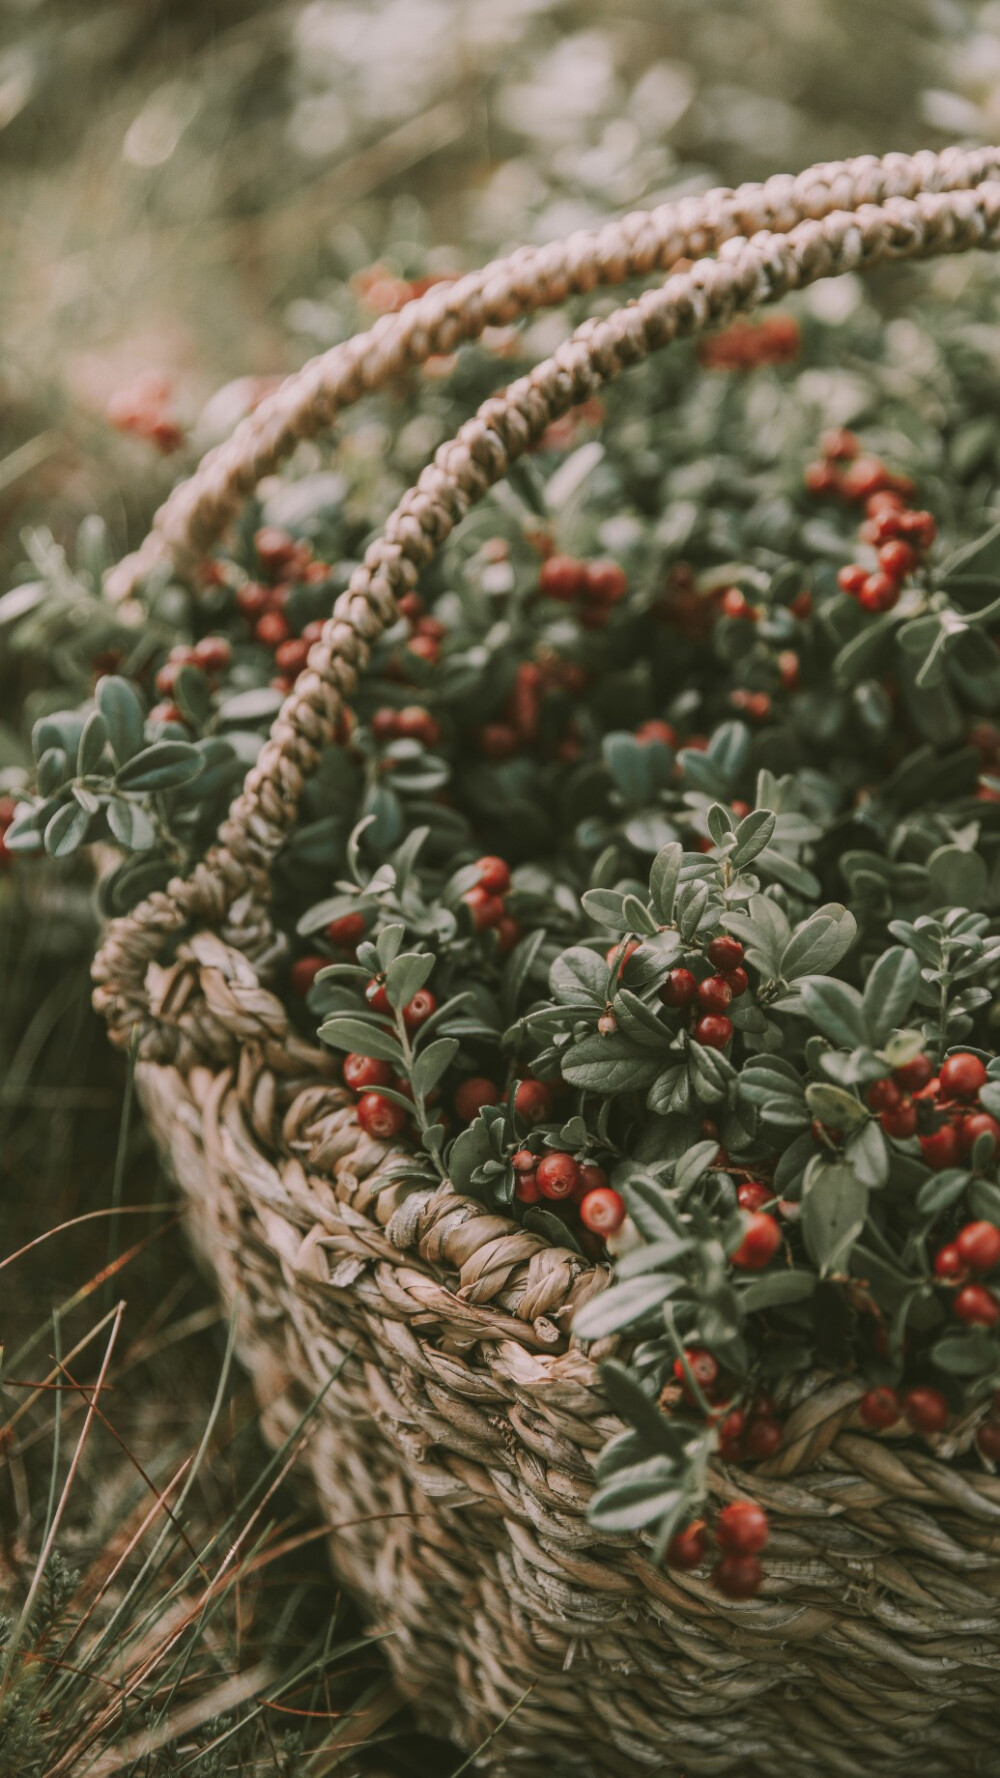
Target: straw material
{"x": 453, "y": 1444}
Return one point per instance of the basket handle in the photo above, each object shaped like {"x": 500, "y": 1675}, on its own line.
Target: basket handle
{"x": 198, "y": 510}
{"x": 745, "y": 274}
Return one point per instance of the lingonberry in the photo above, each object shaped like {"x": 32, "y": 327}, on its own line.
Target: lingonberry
{"x": 592, "y": 1178}
{"x": 879, "y": 1407}
{"x": 605, "y": 581}
{"x": 738, "y": 981}
{"x": 948, "y": 1262}
{"x": 979, "y": 1124}
{"x": 737, "y": 1577}
{"x": 962, "y": 1076}
{"x": 920, "y": 526}
{"x": 275, "y": 548}
{"x": 385, "y": 723}
{"x": 821, "y": 478}
{"x": 703, "y": 1369}
{"x": 364, "y": 1072}
{"x": 494, "y": 875}
{"x": 913, "y": 1075}
{"x": 417, "y": 724}
{"x": 376, "y": 995}
{"x": 752, "y": 1195}
{"x": 763, "y": 1439}
{"x": 290, "y": 657}
{"x": 679, "y": 989}
{"x": 714, "y": 993}
{"x": 602, "y": 1210}
{"x": 472, "y": 1095}
{"x": 252, "y": 599}
{"x": 839, "y": 443}
{"x": 347, "y": 929}
{"x": 742, "y": 1528}
{"x": 558, "y": 1175}
{"x": 380, "y": 1117}
{"x": 941, "y": 1148}
{"x": 213, "y": 653}
{"x": 760, "y": 1243}
{"x": 621, "y": 953}
{"x": 734, "y": 603}
{"x": 498, "y": 740}
{"x": 901, "y": 1122}
{"x": 988, "y": 1440}
{"x": 732, "y": 1425}
{"x": 526, "y": 1188}
{"x": 417, "y": 1011}
{"x": 976, "y": 1306}
{"x": 533, "y": 1101}
{"x": 561, "y": 577}
{"x": 165, "y": 713}
{"x": 272, "y": 628}
{"x": 851, "y": 578}
{"x": 523, "y": 1161}
{"x": 789, "y": 669}
{"x": 426, "y": 648}
{"x": 879, "y": 593}
{"x": 686, "y": 1548}
{"x": 486, "y": 909}
{"x": 305, "y": 971}
{"x": 979, "y": 1246}
{"x": 926, "y": 1409}
{"x": 883, "y": 1095}
{"x": 897, "y": 559}
{"x": 508, "y": 931}
{"x": 725, "y": 953}
{"x": 865, "y": 476}
{"x": 654, "y": 730}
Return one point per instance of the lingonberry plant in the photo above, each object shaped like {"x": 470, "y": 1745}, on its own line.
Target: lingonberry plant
{"x": 651, "y": 893}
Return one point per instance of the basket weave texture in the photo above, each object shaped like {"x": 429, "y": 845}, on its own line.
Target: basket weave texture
{"x": 453, "y": 1443}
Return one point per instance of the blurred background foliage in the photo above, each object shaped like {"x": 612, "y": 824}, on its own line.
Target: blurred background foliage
{"x": 190, "y": 187}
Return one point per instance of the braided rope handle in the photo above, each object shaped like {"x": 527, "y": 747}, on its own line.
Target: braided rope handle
{"x": 637, "y": 246}
{"x": 745, "y": 273}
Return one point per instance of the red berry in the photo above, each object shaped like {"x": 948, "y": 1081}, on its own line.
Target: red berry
{"x": 703, "y": 1369}
{"x": 213, "y": 653}
{"x": 558, "y": 1175}
{"x": 900, "y": 1122}
{"x": 897, "y": 559}
{"x": 494, "y": 875}
{"x": 523, "y": 1161}
{"x": 508, "y": 931}
{"x": 486, "y": 909}
{"x": 962, "y": 1076}
{"x": 533, "y": 1101}
{"x": 592, "y": 1178}
{"x": 988, "y": 1440}
{"x": 304, "y": 972}
{"x": 380, "y": 1117}
{"x": 363, "y": 1072}
{"x": 426, "y": 648}
{"x": 734, "y": 604}
{"x": 979, "y": 1246}
{"x": 742, "y": 1528}
{"x": 763, "y": 1439}
{"x": 679, "y": 989}
{"x": 732, "y": 1425}
{"x": 714, "y": 994}
{"x": 602, "y": 1210}
{"x": 252, "y": 599}
{"x": 821, "y": 478}
{"x": 738, "y": 981}
{"x": 752, "y": 1196}
{"x": 621, "y": 953}
{"x": 376, "y": 995}
{"x": 714, "y": 1031}
{"x": 839, "y": 443}
{"x": 725, "y": 953}
{"x": 275, "y": 548}
{"x": 880, "y": 1407}
{"x": 920, "y": 526}
{"x": 290, "y": 657}
{"x": 654, "y": 730}
{"x": 271, "y": 629}
{"x": 977, "y": 1306}
{"x": 801, "y": 606}
{"x": 431, "y": 626}
{"x": 472, "y": 1095}
{"x": 385, "y": 724}
{"x": 760, "y": 1243}
{"x": 561, "y": 577}
{"x": 686, "y": 1548}
{"x": 914, "y": 1075}
{"x": 979, "y": 1124}
{"x": 526, "y": 1188}
{"x": 851, "y": 578}
{"x": 165, "y": 713}
{"x": 879, "y": 593}
{"x": 926, "y": 1409}
{"x": 737, "y": 1577}
{"x": 498, "y": 740}
{"x": 606, "y": 581}
{"x": 417, "y": 1011}
{"x": 941, "y": 1148}
{"x": 347, "y": 929}
{"x": 883, "y": 1095}
{"x": 948, "y": 1262}
{"x": 865, "y": 476}
{"x": 415, "y": 723}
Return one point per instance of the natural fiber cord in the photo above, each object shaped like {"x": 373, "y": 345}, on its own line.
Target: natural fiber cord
{"x": 453, "y": 1447}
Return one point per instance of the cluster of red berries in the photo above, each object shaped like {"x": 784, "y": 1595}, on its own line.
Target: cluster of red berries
{"x": 593, "y": 587}
{"x": 899, "y": 534}
{"x": 741, "y": 1531}
{"x": 210, "y": 656}
{"x": 746, "y": 344}
{"x": 710, "y": 998}
{"x": 517, "y": 730}
{"x": 345, "y": 933}
{"x": 425, "y": 638}
{"x": 745, "y": 1434}
{"x": 285, "y": 561}
{"x": 143, "y": 408}
{"x": 925, "y": 1410}
{"x": 559, "y": 1176}
{"x": 412, "y": 723}
{"x": 485, "y": 902}
{"x": 385, "y": 293}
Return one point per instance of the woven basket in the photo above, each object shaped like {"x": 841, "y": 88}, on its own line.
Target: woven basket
{"x": 453, "y": 1447}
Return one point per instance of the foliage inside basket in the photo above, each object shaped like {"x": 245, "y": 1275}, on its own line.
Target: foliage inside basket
{"x": 653, "y": 893}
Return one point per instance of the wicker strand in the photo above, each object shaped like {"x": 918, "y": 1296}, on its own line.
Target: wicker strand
{"x": 745, "y": 274}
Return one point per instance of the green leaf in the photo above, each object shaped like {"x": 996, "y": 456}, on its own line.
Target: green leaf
{"x": 974, "y": 567}
{"x": 130, "y": 825}
{"x": 364, "y": 1036}
{"x": 836, "y": 1009}
{"x": 609, "y": 1065}
{"x": 66, "y": 830}
{"x": 819, "y": 943}
{"x": 119, "y": 705}
{"x": 868, "y": 1154}
{"x": 776, "y": 1290}
{"x": 969, "y": 1354}
{"x": 693, "y": 1165}
{"x": 406, "y": 975}
{"x": 430, "y": 1064}
{"x": 942, "y": 1190}
{"x": 605, "y": 906}
{"x": 92, "y": 744}
{"x": 623, "y": 1305}
{"x": 958, "y": 878}
{"x": 712, "y": 1074}
{"x": 834, "y": 1106}
{"x": 163, "y": 766}
{"x": 637, "y": 1497}
{"x": 191, "y": 695}
{"x": 834, "y": 1209}
{"x": 889, "y": 991}
{"x": 579, "y": 977}
{"x": 664, "y": 877}
{"x": 53, "y": 771}
{"x": 470, "y": 1150}
{"x": 629, "y": 1399}
{"x": 752, "y": 836}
